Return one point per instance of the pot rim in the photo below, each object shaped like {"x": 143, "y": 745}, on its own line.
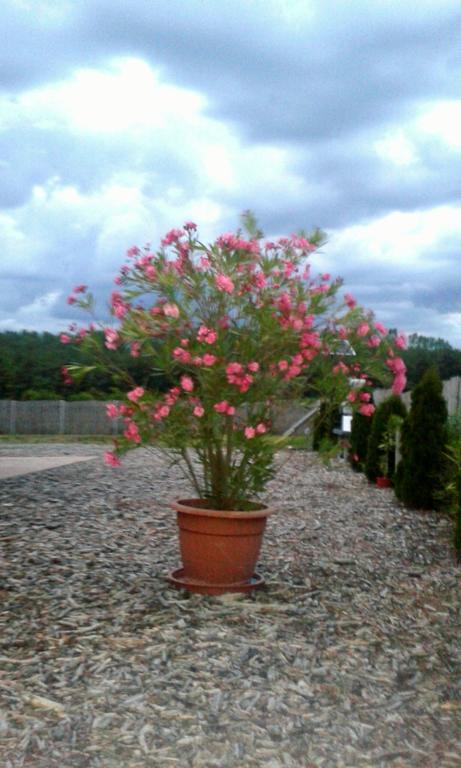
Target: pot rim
{"x": 197, "y": 507}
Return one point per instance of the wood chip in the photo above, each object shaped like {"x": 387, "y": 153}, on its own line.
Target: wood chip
{"x": 349, "y": 657}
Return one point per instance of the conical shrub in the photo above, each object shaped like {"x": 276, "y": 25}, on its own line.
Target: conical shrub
{"x": 360, "y": 432}
{"x": 421, "y": 474}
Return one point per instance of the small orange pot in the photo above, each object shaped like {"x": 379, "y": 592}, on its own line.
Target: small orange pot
{"x": 219, "y": 549}
{"x": 383, "y": 482}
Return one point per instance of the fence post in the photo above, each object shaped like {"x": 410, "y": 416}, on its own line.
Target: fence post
{"x": 12, "y": 417}
{"x": 62, "y": 416}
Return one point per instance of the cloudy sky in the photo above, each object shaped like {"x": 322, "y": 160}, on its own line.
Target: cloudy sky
{"x": 119, "y": 121}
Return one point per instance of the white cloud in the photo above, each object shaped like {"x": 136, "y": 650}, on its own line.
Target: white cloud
{"x": 400, "y": 240}
{"x": 442, "y": 122}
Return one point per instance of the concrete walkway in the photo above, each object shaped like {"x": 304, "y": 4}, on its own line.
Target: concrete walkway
{"x": 12, "y": 466}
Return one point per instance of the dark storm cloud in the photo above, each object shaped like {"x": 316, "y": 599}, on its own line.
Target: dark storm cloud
{"x": 290, "y": 82}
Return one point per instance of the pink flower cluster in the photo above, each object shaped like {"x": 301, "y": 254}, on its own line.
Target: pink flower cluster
{"x": 119, "y": 307}
{"x": 251, "y": 432}
{"x": 135, "y": 394}
{"x": 171, "y": 310}
{"x": 398, "y": 368}
{"x": 112, "y": 338}
{"x": 225, "y": 408}
{"x": 206, "y": 335}
{"x": 239, "y": 377}
{"x": 224, "y": 283}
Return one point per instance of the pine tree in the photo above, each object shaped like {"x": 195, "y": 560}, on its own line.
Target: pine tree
{"x": 421, "y": 472}
{"x": 392, "y": 406}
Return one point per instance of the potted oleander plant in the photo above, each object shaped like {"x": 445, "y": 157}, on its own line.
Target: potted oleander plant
{"x": 234, "y": 326}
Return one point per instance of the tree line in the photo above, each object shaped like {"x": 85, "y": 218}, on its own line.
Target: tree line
{"x": 31, "y": 366}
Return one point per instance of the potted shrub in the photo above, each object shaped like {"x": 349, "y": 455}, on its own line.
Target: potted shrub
{"x": 233, "y": 327}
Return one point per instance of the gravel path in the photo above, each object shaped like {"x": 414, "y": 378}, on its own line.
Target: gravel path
{"x": 349, "y": 657}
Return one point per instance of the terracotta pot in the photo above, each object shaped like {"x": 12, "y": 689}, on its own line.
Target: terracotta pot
{"x": 219, "y": 549}
{"x": 383, "y": 482}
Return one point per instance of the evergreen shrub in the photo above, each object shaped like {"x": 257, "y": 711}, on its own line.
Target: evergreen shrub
{"x": 421, "y": 474}
{"x": 360, "y": 432}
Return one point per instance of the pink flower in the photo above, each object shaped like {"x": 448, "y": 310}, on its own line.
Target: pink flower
{"x": 187, "y": 384}
{"x": 253, "y": 367}
{"x": 208, "y": 359}
{"x": 135, "y": 394}
{"x": 80, "y": 289}
{"x": 293, "y": 371}
{"x": 399, "y": 383}
{"x": 111, "y": 459}
{"x": 396, "y": 365}
{"x": 261, "y": 428}
{"x": 381, "y": 329}
{"x": 190, "y": 226}
{"x": 363, "y": 329}
{"x": 400, "y": 341}
{"x": 365, "y": 397}
{"x": 172, "y": 236}
{"x": 172, "y": 395}
{"x": 182, "y": 355}
{"x": 350, "y": 301}
{"x": 224, "y": 407}
{"x": 171, "y": 310}
{"x": 198, "y": 411}
{"x": 112, "y": 338}
{"x": 352, "y": 396}
{"x": 367, "y": 410}
{"x": 288, "y": 268}
{"x": 207, "y": 335}
{"x": 227, "y": 241}
{"x": 282, "y": 365}
{"x": 340, "y": 368}
{"x": 67, "y": 378}
{"x": 249, "y": 432}
{"x": 161, "y": 412}
{"x": 234, "y": 369}
{"x": 112, "y": 411}
{"x": 374, "y": 341}
{"x": 71, "y": 299}
{"x": 135, "y": 349}
{"x": 224, "y": 283}
{"x": 131, "y": 432}
{"x": 119, "y": 307}
{"x": 65, "y": 339}
{"x": 259, "y": 280}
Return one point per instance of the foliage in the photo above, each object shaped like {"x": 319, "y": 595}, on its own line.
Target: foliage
{"x": 31, "y": 368}
{"x": 422, "y": 471}
{"x": 358, "y": 441}
{"x": 424, "y": 352}
{"x": 452, "y": 490}
{"x": 380, "y": 453}
{"x": 232, "y": 327}
{"x": 326, "y": 419}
